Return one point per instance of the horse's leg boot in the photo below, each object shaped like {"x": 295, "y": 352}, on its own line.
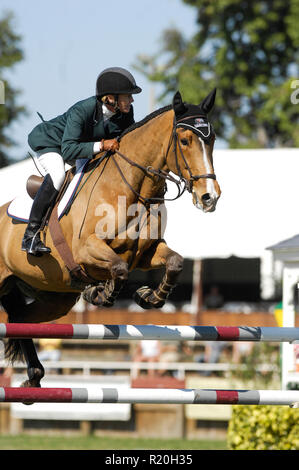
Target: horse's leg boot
{"x": 145, "y": 298}
{"x": 45, "y": 196}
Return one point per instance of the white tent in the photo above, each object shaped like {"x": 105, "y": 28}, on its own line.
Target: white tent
{"x": 13, "y": 179}
{"x": 258, "y": 207}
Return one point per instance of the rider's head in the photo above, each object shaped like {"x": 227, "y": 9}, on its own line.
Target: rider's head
{"x": 115, "y": 87}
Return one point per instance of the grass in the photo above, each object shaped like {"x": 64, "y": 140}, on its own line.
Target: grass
{"x": 39, "y": 442}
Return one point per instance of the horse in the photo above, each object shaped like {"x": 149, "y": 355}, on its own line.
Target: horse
{"x": 106, "y": 238}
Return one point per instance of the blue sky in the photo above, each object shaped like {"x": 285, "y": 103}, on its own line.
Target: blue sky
{"x": 67, "y": 43}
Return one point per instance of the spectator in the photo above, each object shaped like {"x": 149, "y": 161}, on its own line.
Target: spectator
{"x": 212, "y": 354}
{"x": 175, "y": 352}
{"x": 241, "y": 349}
{"x": 148, "y": 351}
{"x": 296, "y": 351}
{"x": 213, "y": 299}
{"x": 49, "y": 349}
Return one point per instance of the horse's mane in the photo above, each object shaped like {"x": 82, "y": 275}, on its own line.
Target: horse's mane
{"x": 147, "y": 118}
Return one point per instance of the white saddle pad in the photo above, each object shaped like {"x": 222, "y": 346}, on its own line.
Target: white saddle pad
{"x": 20, "y": 207}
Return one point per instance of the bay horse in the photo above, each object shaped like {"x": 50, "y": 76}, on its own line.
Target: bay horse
{"x": 175, "y": 140}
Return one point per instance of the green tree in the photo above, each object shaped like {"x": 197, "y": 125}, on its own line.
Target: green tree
{"x": 10, "y": 54}
{"x": 249, "y": 50}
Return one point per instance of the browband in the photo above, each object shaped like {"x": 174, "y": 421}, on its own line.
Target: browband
{"x": 198, "y": 124}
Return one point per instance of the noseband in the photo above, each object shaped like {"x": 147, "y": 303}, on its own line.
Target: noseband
{"x": 187, "y": 183}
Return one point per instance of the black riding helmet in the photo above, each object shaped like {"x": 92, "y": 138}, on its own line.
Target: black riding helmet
{"x": 116, "y": 81}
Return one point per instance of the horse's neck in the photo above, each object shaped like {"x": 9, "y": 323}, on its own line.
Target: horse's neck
{"x": 107, "y": 191}
{"x": 147, "y": 146}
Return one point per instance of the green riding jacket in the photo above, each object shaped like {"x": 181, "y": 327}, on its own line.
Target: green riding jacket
{"x": 74, "y": 133}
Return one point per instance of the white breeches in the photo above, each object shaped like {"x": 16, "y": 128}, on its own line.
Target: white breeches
{"x": 53, "y": 164}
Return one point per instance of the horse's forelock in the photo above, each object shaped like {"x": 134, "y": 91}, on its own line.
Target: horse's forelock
{"x": 191, "y": 110}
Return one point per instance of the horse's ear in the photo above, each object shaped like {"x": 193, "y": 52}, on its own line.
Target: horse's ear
{"x": 177, "y": 104}
{"x": 208, "y": 102}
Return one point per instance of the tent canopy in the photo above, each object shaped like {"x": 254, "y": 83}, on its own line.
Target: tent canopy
{"x": 258, "y": 206}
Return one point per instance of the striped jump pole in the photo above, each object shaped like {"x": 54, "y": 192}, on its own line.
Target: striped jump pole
{"x": 149, "y": 332}
{"x": 150, "y": 395}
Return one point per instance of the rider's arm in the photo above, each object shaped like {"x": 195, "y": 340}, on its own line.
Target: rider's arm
{"x": 73, "y": 145}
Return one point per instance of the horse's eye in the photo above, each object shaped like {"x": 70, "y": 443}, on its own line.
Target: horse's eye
{"x": 184, "y": 142}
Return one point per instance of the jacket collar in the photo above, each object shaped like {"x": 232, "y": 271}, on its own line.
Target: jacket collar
{"x": 101, "y": 112}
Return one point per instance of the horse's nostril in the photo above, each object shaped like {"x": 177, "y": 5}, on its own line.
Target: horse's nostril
{"x": 206, "y": 197}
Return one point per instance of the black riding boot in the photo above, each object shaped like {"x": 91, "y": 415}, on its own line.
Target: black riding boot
{"x": 45, "y": 196}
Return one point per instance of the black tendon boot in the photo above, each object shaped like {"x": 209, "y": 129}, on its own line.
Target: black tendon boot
{"x": 45, "y": 196}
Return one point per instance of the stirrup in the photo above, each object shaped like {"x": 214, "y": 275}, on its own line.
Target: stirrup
{"x": 35, "y": 246}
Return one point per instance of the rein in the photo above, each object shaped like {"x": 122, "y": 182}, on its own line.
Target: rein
{"x": 160, "y": 173}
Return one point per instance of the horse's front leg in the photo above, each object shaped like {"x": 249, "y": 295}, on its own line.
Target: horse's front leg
{"x": 102, "y": 263}
{"x": 157, "y": 256}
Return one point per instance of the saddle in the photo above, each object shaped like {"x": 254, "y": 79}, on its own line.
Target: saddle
{"x": 33, "y": 184}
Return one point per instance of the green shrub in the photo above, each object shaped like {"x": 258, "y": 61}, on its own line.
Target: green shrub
{"x": 257, "y": 427}
{"x": 261, "y": 353}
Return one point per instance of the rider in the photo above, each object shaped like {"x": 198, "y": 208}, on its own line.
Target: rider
{"x": 87, "y": 128}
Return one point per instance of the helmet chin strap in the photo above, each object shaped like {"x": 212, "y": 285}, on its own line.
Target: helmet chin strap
{"x": 113, "y": 104}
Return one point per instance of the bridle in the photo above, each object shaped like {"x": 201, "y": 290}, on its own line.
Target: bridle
{"x": 182, "y": 183}
{"x": 192, "y": 178}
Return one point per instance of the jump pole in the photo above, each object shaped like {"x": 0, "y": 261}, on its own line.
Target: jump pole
{"x": 149, "y": 332}
{"x": 149, "y": 395}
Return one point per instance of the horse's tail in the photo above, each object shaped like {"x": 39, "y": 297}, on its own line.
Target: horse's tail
{"x": 14, "y": 304}
{"x": 13, "y": 351}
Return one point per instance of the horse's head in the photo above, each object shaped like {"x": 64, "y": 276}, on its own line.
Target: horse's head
{"x": 193, "y": 139}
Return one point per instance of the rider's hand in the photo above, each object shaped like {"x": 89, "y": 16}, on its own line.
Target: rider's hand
{"x": 110, "y": 145}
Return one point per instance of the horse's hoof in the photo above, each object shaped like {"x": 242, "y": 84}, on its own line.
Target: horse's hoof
{"x": 108, "y": 303}
{"x": 96, "y": 295}
{"x": 91, "y": 294}
{"x": 28, "y": 384}
{"x": 145, "y": 298}
{"x": 101, "y": 301}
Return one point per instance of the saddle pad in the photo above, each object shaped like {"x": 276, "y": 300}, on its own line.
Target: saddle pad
{"x": 20, "y": 207}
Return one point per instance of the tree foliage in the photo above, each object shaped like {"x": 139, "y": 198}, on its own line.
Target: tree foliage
{"x": 10, "y": 54}
{"x": 249, "y": 50}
